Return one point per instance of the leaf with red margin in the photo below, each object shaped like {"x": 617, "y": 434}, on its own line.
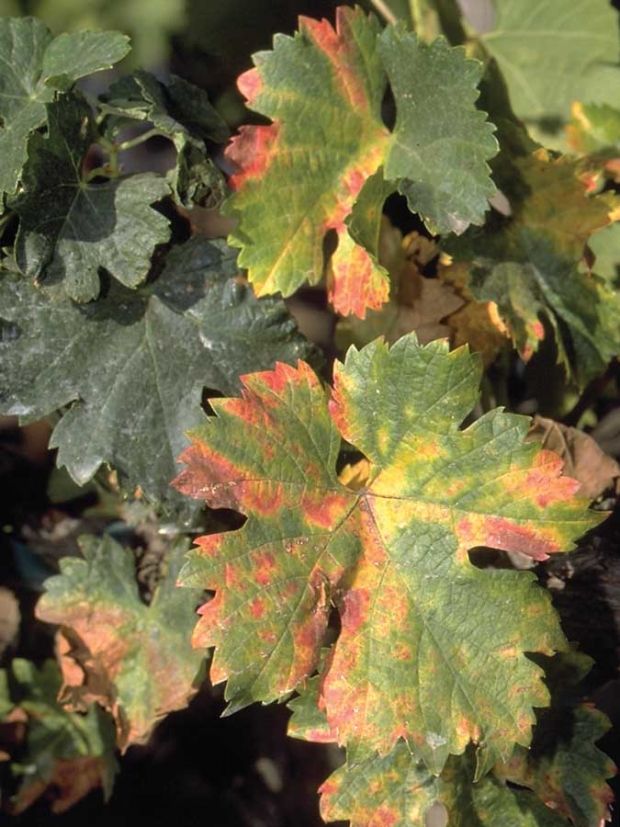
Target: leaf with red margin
{"x": 317, "y": 167}
{"x": 431, "y": 647}
{"x": 134, "y": 659}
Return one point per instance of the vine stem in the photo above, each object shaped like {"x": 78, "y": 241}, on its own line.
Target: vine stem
{"x": 384, "y": 10}
{"x": 425, "y": 19}
{"x": 113, "y": 168}
{"x": 139, "y": 139}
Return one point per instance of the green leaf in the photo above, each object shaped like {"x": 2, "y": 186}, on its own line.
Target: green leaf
{"x": 74, "y": 55}
{"x": 174, "y": 107}
{"x": 552, "y": 54}
{"x": 395, "y": 790}
{"x": 431, "y": 647}
{"x": 70, "y": 229}
{"x": 399, "y": 791}
{"x": 307, "y": 173}
{"x": 183, "y": 113}
{"x": 133, "y": 364}
{"x": 530, "y": 265}
{"x": 594, "y": 127}
{"x": 59, "y": 743}
{"x": 441, "y": 141}
{"x": 563, "y": 766}
{"x": 488, "y": 802}
{"x": 605, "y": 245}
{"x": 138, "y": 657}
{"x": 35, "y": 65}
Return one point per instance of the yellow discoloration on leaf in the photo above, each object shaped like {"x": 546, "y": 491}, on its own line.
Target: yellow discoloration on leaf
{"x": 430, "y": 649}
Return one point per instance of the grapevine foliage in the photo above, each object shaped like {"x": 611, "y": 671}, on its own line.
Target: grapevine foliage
{"x": 411, "y": 661}
{"x": 124, "y": 650}
{"x": 323, "y": 89}
{"x": 198, "y": 325}
{"x": 343, "y": 517}
{"x": 37, "y": 66}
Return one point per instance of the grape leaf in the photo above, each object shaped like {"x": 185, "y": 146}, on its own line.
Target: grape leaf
{"x": 594, "y": 127}
{"x": 584, "y": 459}
{"x": 418, "y": 656}
{"x": 183, "y": 113}
{"x": 394, "y": 790}
{"x": 416, "y": 302}
{"x": 399, "y": 791}
{"x": 316, "y": 168}
{"x": 606, "y": 246}
{"x": 530, "y": 265}
{"x": 563, "y": 766}
{"x": 132, "y": 365}
{"x": 488, "y": 802}
{"x": 552, "y": 54}
{"x": 69, "y": 751}
{"x": 137, "y": 657}
{"x": 69, "y": 228}
{"x": 35, "y": 65}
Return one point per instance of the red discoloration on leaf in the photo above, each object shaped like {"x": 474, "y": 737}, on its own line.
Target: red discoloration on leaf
{"x": 354, "y": 284}
{"x": 257, "y": 608}
{"x": 232, "y": 579}
{"x": 265, "y": 567}
{"x": 310, "y": 638}
{"x": 262, "y": 157}
{"x": 250, "y": 85}
{"x": 209, "y": 620}
{"x": 336, "y": 46}
{"x": 506, "y": 535}
{"x": 262, "y": 497}
{"x": 123, "y": 651}
{"x": 538, "y": 330}
{"x": 548, "y": 465}
{"x": 355, "y": 611}
{"x": 204, "y": 475}
{"x": 251, "y": 153}
{"x": 279, "y": 380}
{"x": 467, "y": 730}
{"x": 325, "y": 512}
{"x": 412, "y": 660}
{"x": 267, "y": 636}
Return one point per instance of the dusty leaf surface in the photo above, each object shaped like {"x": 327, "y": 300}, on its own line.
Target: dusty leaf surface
{"x": 411, "y": 660}
{"x": 327, "y": 162}
{"x": 182, "y": 112}
{"x": 35, "y": 66}
{"x": 69, "y": 228}
{"x": 152, "y": 349}
{"x": 139, "y": 657}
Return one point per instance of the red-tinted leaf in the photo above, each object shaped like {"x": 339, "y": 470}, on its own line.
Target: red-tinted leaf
{"x": 327, "y": 162}
{"x": 430, "y": 648}
{"x": 134, "y": 659}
